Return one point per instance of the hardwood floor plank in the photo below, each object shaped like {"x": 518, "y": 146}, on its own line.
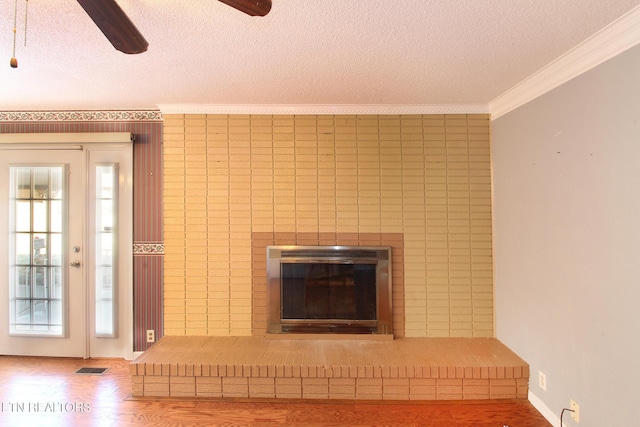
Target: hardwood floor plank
{"x": 104, "y": 401}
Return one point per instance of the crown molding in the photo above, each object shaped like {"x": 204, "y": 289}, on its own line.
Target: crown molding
{"x": 340, "y": 109}
{"x": 81, "y": 116}
{"x": 620, "y": 35}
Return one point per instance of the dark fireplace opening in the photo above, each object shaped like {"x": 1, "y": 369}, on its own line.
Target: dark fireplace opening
{"x": 329, "y": 290}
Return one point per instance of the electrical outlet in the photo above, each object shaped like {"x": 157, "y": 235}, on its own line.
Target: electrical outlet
{"x": 542, "y": 380}
{"x": 151, "y": 335}
{"x": 575, "y": 408}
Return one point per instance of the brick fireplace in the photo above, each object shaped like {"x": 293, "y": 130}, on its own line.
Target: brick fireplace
{"x": 234, "y": 184}
{"x": 420, "y": 184}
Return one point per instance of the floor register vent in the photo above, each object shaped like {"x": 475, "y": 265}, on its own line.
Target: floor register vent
{"x": 91, "y": 371}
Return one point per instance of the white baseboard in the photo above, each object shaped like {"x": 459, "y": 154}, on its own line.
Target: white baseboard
{"x": 136, "y": 354}
{"x": 544, "y": 410}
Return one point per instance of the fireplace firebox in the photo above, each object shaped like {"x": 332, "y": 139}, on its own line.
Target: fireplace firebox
{"x": 329, "y": 289}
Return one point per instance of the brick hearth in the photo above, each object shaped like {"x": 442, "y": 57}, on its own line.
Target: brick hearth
{"x": 354, "y": 369}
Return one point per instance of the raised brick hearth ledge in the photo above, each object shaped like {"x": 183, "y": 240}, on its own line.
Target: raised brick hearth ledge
{"x": 401, "y": 369}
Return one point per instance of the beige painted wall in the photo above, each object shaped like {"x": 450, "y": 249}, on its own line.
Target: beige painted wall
{"x": 428, "y": 177}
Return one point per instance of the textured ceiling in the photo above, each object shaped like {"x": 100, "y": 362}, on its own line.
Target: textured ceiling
{"x": 391, "y": 52}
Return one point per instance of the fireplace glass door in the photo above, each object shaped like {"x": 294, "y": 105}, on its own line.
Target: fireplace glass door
{"x": 328, "y": 291}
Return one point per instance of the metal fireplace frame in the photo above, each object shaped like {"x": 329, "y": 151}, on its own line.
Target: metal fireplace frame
{"x": 378, "y": 255}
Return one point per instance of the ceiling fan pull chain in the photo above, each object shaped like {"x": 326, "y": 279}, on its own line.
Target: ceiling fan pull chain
{"x": 14, "y": 61}
{"x": 26, "y": 13}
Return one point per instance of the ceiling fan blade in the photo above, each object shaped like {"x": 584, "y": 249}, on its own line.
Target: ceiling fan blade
{"x": 250, "y": 7}
{"x": 116, "y": 25}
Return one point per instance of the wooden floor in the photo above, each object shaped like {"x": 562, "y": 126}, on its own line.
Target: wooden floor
{"x": 47, "y": 392}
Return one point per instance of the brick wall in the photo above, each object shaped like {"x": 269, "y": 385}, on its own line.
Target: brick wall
{"x": 427, "y": 177}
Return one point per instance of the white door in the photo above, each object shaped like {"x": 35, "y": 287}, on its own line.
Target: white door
{"x": 65, "y": 269}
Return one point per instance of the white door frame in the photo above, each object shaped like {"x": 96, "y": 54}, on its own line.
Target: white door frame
{"x": 99, "y": 148}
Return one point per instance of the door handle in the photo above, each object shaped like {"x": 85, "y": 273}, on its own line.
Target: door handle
{"x": 75, "y": 264}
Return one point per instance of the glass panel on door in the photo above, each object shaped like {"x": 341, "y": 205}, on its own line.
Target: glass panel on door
{"x": 36, "y": 292}
{"x": 106, "y": 236}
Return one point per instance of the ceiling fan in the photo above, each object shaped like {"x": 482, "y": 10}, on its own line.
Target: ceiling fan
{"x": 123, "y": 34}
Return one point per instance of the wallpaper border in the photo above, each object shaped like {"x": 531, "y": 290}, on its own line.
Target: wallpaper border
{"x": 148, "y": 248}
{"x": 83, "y": 116}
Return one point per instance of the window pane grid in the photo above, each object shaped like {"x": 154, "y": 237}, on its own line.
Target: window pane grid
{"x": 36, "y": 277}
